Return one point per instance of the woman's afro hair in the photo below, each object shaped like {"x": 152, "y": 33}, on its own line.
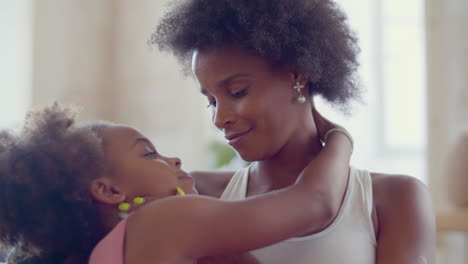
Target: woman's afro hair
{"x": 312, "y": 36}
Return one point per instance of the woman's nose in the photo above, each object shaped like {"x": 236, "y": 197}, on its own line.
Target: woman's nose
{"x": 222, "y": 116}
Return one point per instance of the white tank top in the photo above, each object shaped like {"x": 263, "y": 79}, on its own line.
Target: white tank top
{"x": 349, "y": 239}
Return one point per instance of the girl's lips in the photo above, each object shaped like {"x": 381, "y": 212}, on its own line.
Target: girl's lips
{"x": 184, "y": 176}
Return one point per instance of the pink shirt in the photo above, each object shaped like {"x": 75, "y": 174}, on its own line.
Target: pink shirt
{"x": 110, "y": 250}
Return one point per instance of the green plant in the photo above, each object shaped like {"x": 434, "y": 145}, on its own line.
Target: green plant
{"x": 223, "y": 154}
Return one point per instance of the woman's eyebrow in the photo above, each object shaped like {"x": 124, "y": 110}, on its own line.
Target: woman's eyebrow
{"x": 226, "y": 81}
{"x": 230, "y": 79}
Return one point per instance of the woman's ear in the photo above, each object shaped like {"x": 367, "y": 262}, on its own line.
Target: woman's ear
{"x": 105, "y": 191}
{"x": 301, "y": 84}
{"x": 298, "y": 78}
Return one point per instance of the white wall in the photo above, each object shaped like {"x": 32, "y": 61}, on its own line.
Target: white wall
{"x": 16, "y": 27}
{"x": 96, "y": 54}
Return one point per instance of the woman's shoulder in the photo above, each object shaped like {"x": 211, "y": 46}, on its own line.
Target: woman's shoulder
{"x": 212, "y": 183}
{"x": 391, "y": 188}
{"x": 400, "y": 201}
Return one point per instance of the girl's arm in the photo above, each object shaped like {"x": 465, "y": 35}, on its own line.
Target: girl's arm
{"x": 200, "y": 226}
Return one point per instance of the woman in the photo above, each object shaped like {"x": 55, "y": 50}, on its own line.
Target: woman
{"x": 259, "y": 62}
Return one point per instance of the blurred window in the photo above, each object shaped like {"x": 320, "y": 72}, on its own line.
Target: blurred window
{"x": 390, "y": 127}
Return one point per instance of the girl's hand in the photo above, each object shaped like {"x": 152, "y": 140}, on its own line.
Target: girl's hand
{"x": 325, "y": 127}
{"x": 322, "y": 124}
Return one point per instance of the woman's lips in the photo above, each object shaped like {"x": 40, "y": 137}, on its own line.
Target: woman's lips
{"x": 234, "y": 139}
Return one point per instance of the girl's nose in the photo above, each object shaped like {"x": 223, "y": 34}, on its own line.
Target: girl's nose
{"x": 177, "y": 162}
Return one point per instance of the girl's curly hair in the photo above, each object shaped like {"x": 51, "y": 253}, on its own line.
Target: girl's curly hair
{"x": 45, "y": 169}
{"x": 310, "y": 35}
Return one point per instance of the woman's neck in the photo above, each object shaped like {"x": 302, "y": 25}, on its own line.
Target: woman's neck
{"x": 283, "y": 169}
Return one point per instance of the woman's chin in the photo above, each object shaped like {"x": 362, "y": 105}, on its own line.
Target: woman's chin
{"x": 251, "y": 157}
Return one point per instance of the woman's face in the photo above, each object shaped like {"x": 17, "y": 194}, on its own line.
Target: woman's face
{"x": 253, "y": 104}
{"x": 138, "y": 169}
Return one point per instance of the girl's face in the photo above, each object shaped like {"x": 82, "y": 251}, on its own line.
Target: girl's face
{"x": 138, "y": 169}
{"x": 253, "y": 104}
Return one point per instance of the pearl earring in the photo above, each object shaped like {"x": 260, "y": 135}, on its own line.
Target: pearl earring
{"x": 300, "y": 97}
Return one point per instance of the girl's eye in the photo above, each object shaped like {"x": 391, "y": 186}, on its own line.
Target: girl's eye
{"x": 211, "y": 104}
{"x": 151, "y": 155}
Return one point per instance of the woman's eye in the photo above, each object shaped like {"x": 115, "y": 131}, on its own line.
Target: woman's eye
{"x": 151, "y": 155}
{"x": 240, "y": 93}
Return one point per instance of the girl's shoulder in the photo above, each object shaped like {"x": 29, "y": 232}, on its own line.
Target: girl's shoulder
{"x": 162, "y": 230}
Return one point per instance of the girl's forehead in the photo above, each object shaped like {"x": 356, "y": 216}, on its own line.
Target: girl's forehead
{"x": 120, "y": 136}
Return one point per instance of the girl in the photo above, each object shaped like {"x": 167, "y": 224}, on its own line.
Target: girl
{"x": 66, "y": 189}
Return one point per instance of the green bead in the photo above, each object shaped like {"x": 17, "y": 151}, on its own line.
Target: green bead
{"x": 180, "y": 191}
{"x": 123, "y": 207}
{"x": 138, "y": 200}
